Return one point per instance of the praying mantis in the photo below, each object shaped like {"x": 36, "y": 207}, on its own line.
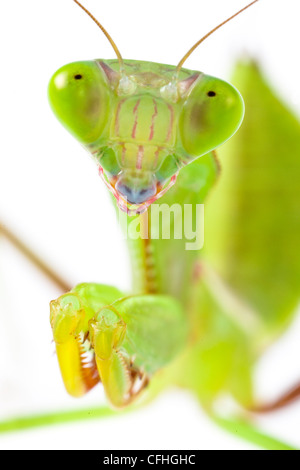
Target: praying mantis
{"x": 104, "y": 312}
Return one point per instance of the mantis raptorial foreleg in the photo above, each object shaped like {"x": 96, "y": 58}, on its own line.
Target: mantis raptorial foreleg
{"x": 102, "y": 335}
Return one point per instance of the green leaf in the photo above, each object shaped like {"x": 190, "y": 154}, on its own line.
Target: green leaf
{"x": 253, "y": 216}
{"x": 220, "y": 361}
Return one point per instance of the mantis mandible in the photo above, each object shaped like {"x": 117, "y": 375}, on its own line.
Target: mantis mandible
{"x": 146, "y": 125}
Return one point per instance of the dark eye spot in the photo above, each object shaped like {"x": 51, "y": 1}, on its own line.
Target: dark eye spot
{"x": 78, "y": 76}
{"x": 211, "y": 94}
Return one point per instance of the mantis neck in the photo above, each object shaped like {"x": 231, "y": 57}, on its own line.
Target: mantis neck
{"x": 143, "y": 259}
{"x": 166, "y": 255}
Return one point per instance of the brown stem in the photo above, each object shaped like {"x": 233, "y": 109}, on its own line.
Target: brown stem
{"x": 285, "y": 400}
{"x": 35, "y": 260}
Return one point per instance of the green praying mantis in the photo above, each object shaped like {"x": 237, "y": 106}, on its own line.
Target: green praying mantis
{"x": 142, "y": 123}
{"x": 152, "y": 130}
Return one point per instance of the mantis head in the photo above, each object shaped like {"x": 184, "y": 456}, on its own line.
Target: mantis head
{"x": 141, "y": 121}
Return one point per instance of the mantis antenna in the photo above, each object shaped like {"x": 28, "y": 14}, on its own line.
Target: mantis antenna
{"x": 118, "y": 54}
{"x": 179, "y": 66}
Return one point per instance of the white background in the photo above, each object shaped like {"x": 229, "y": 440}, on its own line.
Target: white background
{"x": 51, "y": 195}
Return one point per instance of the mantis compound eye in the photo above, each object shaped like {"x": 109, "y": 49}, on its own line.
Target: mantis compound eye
{"x": 79, "y": 97}
{"x": 212, "y": 113}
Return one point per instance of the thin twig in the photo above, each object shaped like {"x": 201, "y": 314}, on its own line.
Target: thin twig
{"x": 34, "y": 259}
